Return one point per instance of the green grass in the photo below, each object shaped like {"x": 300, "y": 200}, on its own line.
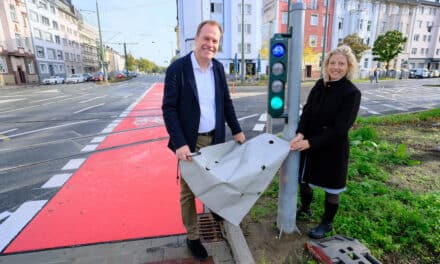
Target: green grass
{"x": 390, "y": 221}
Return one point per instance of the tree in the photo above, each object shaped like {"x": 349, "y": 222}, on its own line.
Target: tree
{"x": 131, "y": 62}
{"x": 388, "y": 46}
{"x": 356, "y": 44}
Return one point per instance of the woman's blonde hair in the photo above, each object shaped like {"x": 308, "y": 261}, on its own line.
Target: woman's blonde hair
{"x": 351, "y": 60}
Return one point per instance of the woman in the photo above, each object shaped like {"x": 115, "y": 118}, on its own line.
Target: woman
{"x": 322, "y": 136}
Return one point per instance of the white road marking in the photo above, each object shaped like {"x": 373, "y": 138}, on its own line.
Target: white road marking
{"x": 32, "y": 106}
{"x": 263, "y": 118}
{"x": 10, "y": 100}
{"x": 73, "y": 164}
{"x": 258, "y": 127}
{"x": 47, "y": 128}
{"x": 48, "y": 91}
{"x": 48, "y": 99}
{"x": 57, "y": 180}
{"x": 369, "y": 111}
{"x": 88, "y": 108}
{"x": 18, "y": 220}
{"x": 92, "y": 99}
{"x": 106, "y": 130}
{"x": 246, "y": 117}
{"x": 90, "y": 147}
{"x": 7, "y": 131}
{"x": 97, "y": 139}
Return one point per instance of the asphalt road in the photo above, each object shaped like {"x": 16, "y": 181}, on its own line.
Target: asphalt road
{"x": 42, "y": 127}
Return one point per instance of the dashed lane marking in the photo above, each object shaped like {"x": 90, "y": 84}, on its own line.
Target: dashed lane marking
{"x": 47, "y": 128}
{"x": 73, "y": 164}
{"x": 90, "y": 147}
{"x": 97, "y": 139}
{"x": 18, "y": 220}
{"x": 258, "y": 127}
{"x": 247, "y": 117}
{"x": 57, "y": 180}
{"x": 88, "y": 108}
{"x": 7, "y": 131}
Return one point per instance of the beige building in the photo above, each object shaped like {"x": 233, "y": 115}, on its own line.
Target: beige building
{"x": 113, "y": 60}
{"x": 17, "y": 60}
{"x": 89, "y": 53}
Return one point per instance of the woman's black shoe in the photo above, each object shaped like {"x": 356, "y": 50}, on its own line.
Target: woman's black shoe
{"x": 197, "y": 249}
{"x": 304, "y": 213}
{"x": 320, "y": 231}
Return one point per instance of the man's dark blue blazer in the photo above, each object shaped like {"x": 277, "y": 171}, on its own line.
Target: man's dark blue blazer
{"x": 181, "y": 109}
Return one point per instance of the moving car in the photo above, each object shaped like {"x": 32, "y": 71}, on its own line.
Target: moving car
{"x": 75, "y": 78}
{"x": 53, "y": 80}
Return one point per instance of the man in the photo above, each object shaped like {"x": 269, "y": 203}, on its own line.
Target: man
{"x": 196, "y": 105}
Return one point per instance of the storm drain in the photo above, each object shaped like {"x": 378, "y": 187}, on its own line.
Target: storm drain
{"x": 209, "y": 229}
{"x": 340, "y": 250}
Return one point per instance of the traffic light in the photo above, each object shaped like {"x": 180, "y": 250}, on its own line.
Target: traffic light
{"x": 277, "y": 74}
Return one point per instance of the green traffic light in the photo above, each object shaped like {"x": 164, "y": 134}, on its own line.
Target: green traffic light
{"x": 276, "y": 103}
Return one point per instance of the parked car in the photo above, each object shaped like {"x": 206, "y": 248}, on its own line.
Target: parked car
{"x": 87, "y": 77}
{"x": 419, "y": 73}
{"x": 53, "y": 80}
{"x": 116, "y": 75}
{"x": 75, "y": 78}
{"x": 97, "y": 77}
{"x": 434, "y": 73}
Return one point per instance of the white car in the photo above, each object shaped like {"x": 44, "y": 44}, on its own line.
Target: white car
{"x": 53, "y": 80}
{"x": 75, "y": 78}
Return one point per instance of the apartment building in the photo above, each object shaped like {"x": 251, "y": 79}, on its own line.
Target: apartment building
{"x": 229, "y": 15}
{"x": 17, "y": 61}
{"x": 45, "y": 26}
{"x": 88, "y": 42}
{"x": 70, "y": 37}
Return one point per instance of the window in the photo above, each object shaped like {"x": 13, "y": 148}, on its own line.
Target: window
{"x": 216, "y": 8}
{"x": 367, "y": 41}
{"x": 37, "y": 33}
{"x": 419, "y": 22}
{"x": 78, "y": 58}
{"x": 31, "y": 68}
{"x": 57, "y": 39}
{"x": 313, "y": 4}
{"x": 3, "y": 65}
{"x": 66, "y": 55}
{"x": 426, "y": 50}
{"x": 341, "y": 23}
{"x": 284, "y": 18}
{"x": 52, "y": 9}
{"x": 43, "y": 5}
{"x": 48, "y": 36}
{"x": 45, "y": 20}
{"x": 55, "y": 25}
{"x": 18, "y": 40}
{"x": 314, "y": 20}
{"x": 429, "y": 38}
{"x": 416, "y": 37}
{"x": 247, "y": 9}
{"x": 61, "y": 68}
{"x": 12, "y": 12}
{"x": 365, "y": 63}
{"x": 40, "y": 51}
{"x": 414, "y": 51}
{"x": 50, "y": 54}
{"x": 247, "y": 28}
{"x": 437, "y": 52}
{"x": 34, "y": 16}
{"x": 313, "y": 41}
{"x": 43, "y": 68}
{"x": 424, "y": 38}
{"x": 59, "y": 55}
{"x": 65, "y": 42}
{"x": 361, "y": 24}
{"x": 422, "y": 51}
{"x": 382, "y": 26}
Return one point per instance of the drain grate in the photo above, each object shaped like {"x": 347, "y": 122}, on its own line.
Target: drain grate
{"x": 210, "y": 230}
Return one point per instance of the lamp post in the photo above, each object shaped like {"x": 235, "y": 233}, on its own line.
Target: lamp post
{"x": 243, "y": 63}
{"x": 101, "y": 48}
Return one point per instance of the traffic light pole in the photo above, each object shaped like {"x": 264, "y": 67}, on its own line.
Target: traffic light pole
{"x": 288, "y": 183}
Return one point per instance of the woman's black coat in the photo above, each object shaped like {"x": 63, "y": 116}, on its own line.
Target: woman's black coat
{"x": 328, "y": 115}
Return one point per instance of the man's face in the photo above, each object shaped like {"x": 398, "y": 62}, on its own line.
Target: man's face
{"x": 207, "y": 42}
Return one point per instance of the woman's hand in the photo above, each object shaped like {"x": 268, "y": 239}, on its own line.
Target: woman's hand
{"x": 299, "y": 143}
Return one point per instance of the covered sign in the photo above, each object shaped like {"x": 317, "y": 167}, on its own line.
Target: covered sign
{"x": 229, "y": 178}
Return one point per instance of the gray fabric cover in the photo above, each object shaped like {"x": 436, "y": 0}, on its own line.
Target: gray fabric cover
{"x": 229, "y": 178}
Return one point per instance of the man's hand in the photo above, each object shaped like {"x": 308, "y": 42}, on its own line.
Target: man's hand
{"x": 240, "y": 137}
{"x": 183, "y": 153}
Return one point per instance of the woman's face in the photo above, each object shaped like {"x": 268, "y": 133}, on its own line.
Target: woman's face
{"x": 337, "y": 67}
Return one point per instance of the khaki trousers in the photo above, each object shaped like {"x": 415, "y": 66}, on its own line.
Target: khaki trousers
{"x": 187, "y": 202}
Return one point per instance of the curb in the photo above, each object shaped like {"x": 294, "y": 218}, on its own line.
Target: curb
{"x": 238, "y": 244}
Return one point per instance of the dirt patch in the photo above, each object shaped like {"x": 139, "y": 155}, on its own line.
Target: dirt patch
{"x": 422, "y": 141}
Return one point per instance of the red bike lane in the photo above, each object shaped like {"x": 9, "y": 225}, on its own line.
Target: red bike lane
{"x": 126, "y": 190}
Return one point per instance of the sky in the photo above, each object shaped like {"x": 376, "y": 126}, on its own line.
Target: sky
{"x": 147, "y": 24}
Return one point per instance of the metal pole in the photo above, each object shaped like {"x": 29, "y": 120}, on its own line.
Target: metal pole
{"x": 242, "y": 42}
{"x": 269, "y": 123}
{"x": 126, "y": 58}
{"x": 104, "y": 71}
{"x": 288, "y": 188}
{"x": 324, "y": 41}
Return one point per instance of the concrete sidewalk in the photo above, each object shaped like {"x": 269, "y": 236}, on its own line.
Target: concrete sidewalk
{"x": 227, "y": 248}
